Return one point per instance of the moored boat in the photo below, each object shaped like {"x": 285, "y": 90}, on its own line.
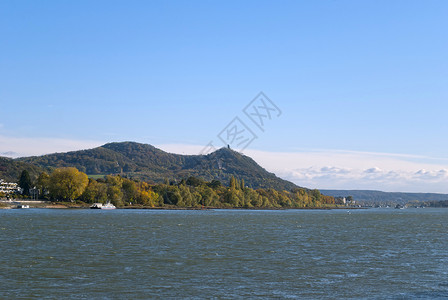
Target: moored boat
{"x": 108, "y": 205}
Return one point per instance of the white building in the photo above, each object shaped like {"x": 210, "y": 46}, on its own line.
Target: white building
{"x": 8, "y": 187}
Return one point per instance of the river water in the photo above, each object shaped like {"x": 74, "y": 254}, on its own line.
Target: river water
{"x": 225, "y": 254}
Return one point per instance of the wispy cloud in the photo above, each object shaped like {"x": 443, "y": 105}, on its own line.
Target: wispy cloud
{"x": 17, "y": 147}
{"x": 357, "y": 170}
{"x": 340, "y": 169}
{"x": 372, "y": 178}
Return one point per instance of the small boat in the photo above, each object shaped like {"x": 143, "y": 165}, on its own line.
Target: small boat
{"x": 23, "y": 206}
{"x": 108, "y": 205}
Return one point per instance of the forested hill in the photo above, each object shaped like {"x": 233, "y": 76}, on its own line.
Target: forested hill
{"x": 10, "y": 169}
{"x": 145, "y": 162}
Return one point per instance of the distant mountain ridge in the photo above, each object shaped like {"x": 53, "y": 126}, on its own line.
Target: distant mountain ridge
{"x": 371, "y": 196}
{"x": 146, "y": 162}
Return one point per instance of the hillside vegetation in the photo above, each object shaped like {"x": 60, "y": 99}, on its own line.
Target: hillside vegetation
{"x": 69, "y": 184}
{"x": 10, "y": 169}
{"x": 147, "y": 163}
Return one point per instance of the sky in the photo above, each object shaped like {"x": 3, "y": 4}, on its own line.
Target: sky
{"x": 328, "y": 94}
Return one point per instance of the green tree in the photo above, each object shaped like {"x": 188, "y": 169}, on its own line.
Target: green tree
{"x": 316, "y": 197}
{"x": 115, "y": 195}
{"x": 67, "y": 183}
{"x": 114, "y": 190}
{"x": 43, "y": 183}
{"x": 130, "y": 191}
{"x": 186, "y": 198}
{"x": 25, "y": 182}
{"x": 95, "y": 192}
{"x": 214, "y": 184}
{"x": 232, "y": 183}
{"x": 171, "y": 195}
{"x": 209, "y": 197}
{"x": 194, "y": 181}
{"x": 232, "y": 197}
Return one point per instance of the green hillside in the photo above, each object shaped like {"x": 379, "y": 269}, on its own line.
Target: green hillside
{"x": 10, "y": 169}
{"x": 145, "y": 162}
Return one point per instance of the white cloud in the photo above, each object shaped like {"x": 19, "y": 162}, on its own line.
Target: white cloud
{"x": 372, "y": 170}
{"x": 338, "y": 169}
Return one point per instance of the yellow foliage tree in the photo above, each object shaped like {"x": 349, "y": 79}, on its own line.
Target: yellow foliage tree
{"x": 67, "y": 183}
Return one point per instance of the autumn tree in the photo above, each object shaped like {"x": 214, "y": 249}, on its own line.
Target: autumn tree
{"x": 147, "y": 196}
{"x": 67, "y": 183}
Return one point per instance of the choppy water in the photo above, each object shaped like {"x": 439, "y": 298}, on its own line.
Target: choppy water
{"x": 140, "y": 254}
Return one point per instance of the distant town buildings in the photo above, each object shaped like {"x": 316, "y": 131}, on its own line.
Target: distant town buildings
{"x": 8, "y": 187}
{"x": 347, "y": 201}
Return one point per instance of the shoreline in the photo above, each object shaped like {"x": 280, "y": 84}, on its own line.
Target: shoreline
{"x": 39, "y": 204}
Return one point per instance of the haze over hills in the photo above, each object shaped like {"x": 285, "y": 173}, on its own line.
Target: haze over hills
{"x": 146, "y": 162}
{"x": 369, "y": 196}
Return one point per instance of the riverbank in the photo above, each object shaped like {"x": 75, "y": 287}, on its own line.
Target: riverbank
{"x": 81, "y": 205}
{"x": 6, "y": 204}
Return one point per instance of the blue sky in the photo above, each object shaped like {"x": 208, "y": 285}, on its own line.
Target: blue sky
{"x": 362, "y": 85}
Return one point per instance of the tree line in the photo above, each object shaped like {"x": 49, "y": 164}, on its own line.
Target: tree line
{"x": 69, "y": 184}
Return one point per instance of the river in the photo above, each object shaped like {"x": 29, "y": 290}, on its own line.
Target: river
{"x": 298, "y": 254}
